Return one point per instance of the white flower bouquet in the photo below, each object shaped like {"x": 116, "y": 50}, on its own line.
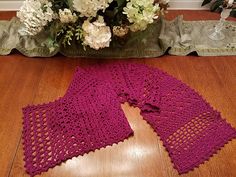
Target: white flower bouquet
{"x": 93, "y": 23}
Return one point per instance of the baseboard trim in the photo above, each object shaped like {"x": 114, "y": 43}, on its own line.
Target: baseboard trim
{"x": 10, "y": 5}
{"x": 174, "y": 4}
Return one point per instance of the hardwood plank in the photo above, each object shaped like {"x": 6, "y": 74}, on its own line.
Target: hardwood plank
{"x": 16, "y": 95}
{"x": 146, "y": 156}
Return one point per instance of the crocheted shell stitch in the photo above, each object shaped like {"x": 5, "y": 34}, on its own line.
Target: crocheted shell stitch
{"x": 89, "y": 117}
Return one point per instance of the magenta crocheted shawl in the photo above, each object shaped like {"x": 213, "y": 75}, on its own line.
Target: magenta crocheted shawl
{"x": 89, "y": 116}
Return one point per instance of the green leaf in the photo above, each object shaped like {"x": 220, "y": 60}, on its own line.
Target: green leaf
{"x": 206, "y": 2}
{"x": 70, "y": 4}
{"x": 79, "y": 33}
{"x": 59, "y": 4}
{"x": 216, "y": 5}
{"x": 120, "y": 2}
{"x": 110, "y": 13}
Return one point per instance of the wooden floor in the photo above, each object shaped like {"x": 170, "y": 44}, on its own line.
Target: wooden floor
{"x": 35, "y": 80}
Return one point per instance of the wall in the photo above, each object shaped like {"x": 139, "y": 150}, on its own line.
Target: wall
{"x": 8, "y": 5}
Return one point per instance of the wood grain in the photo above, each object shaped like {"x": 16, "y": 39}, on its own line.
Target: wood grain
{"x": 35, "y": 80}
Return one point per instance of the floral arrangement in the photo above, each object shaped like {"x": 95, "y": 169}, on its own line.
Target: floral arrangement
{"x": 93, "y": 23}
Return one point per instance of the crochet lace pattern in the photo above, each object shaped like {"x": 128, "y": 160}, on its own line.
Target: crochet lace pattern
{"x": 89, "y": 117}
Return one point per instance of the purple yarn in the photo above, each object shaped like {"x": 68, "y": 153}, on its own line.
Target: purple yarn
{"x": 89, "y": 117}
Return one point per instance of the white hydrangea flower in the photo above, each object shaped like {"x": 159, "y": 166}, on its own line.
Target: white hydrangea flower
{"x": 66, "y": 16}
{"x": 43, "y": 1}
{"x": 140, "y": 13}
{"x": 89, "y": 8}
{"x": 35, "y": 15}
{"x": 96, "y": 35}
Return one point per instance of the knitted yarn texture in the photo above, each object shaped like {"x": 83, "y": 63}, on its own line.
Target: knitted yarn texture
{"x": 89, "y": 116}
